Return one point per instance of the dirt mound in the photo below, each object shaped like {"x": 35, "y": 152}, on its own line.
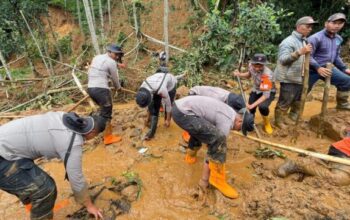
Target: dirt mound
{"x": 335, "y": 123}
{"x": 310, "y": 199}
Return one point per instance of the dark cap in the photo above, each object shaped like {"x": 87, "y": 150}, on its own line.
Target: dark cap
{"x": 306, "y": 20}
{"x": 259, "y": 58}
{"x": 80, "y": 125}
{"x": 235, "y": 101}
{"x": 248, "y": 121}
{"x": 337, "y": 16}
{"x": 162, "y": 69}
{"x": 115, "y": 49}
{"x": 143, "y": 97}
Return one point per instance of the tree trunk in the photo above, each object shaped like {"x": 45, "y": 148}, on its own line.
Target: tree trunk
{"x": 53, "y": 33}
{"x": 3, "y": 61}
{"x": 109, "y": 15}
{"x": 36, "y": 43}
{"x": 137, "y": 28}
{"x": 101, "y": 18}
{"x": 79, "y": 15}
{"x": 92, "y": 11}
{"x": 166, "y": 33}
{"x": 91, "y": 26}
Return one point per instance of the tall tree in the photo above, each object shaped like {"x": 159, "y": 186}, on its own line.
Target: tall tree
{"x": 166, "y": 33}
{"x": 91, "y": 26}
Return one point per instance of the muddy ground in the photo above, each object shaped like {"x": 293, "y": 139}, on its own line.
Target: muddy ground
{"x": 169, "y": 185}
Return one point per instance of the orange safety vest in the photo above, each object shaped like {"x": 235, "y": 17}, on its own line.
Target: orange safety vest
{"x": 265, "y": 84}
{"x": 343, "y": 145}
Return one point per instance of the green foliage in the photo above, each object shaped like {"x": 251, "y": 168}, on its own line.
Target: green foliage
{"x": 268, "y": 153}
{"x": 65, "y": 44}
{"x": 220, "y": 44}
{"x": 134, "y": 177}
{"x": 121, "y": 39}
{"x": 18, "y": 73}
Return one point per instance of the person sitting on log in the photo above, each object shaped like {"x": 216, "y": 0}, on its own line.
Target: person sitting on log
{"x": 335, "y": 173}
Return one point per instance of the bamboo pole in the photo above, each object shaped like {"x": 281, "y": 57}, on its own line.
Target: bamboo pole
{"x": 162, "y": 43}
{"x": 166, "y": 32}
{"x": 297, "y": 150}
{"x": 217, "y": 5}
{"x": 101, "y": 19}
{"x": 53, "y": 33}
{"x": 77, "y": 104}
{"x": 91, "y": 26}
{"x": 79, "y": 15}
{"x": 21, "y": 80}
{"x": 305, "y": 75}
{"x": 7, "y": 70}
{"x": 324, "y": 102}
{"x": 36, "y": 43}
{"x": 128, "y": 90}
{"x": 76, "y": 80}
{"x": 92, "y": 9}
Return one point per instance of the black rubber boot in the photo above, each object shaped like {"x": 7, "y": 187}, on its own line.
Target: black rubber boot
{"x": 153, "y": 129}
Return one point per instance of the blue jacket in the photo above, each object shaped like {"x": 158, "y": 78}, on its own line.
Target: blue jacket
{"x": 326, "y": 49}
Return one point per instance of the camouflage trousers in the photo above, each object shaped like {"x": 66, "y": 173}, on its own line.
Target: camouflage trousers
{"x": 202, "y": 131}
{"x": 24, "y": 179}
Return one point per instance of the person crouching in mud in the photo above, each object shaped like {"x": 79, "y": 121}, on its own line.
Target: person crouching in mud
{"x": 335, "y": 173}
{"x": 209, "y": 121}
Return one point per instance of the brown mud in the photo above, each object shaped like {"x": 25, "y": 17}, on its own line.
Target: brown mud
{"x": 169, "y": 186}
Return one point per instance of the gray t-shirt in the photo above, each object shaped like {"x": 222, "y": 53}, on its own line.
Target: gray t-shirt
{"x": 216, "y": 112}
{"x": 102, "y": 69}
{"x": 45, "y": 136}
{"x": 169, "y": 84}
{"x": 210, "y": 91}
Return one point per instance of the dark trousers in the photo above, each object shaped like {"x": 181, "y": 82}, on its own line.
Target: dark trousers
{"x": 339, "y": 79}
{"x": 30, "y": 184}
{"x": 103, "y": 98}
{"x": 264, "y": 106}
{"x": 289, "y": 93}
{"x": 156, "y": 102}
{"x": 202, "y": 131}
{"x": 335, "y": 152}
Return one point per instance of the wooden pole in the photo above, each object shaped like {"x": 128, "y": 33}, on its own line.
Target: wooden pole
{"x": 305, "y": 76}
{"x": 162, "y": 43}
{"x": 297, "y": 150}
{"x": 36, "y": 43}
{"x": 91, "y": 26}
{"x": 324, "y": 102}
{"x": 53, "y": 33}
{"x": 166, "y": 33}
{"x": 76, "y": 80}
{"x": 7, "y": 70}
{"x": 128, "y": 90}
{"x": 77, "y": 104}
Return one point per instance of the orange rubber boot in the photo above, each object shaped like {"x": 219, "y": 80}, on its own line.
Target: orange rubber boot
{"x": 191, "y": 156}
{"x": 108, "y": 138}
{"x": 217, "y": 179}
{"x": 186, "y": 136}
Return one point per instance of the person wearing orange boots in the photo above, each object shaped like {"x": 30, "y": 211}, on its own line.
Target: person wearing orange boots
{"x": 103, "y": 68}
{"x": 209, "y": 121}
{"x": 264, "y": 90}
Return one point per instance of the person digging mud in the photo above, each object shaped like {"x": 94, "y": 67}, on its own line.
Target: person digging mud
{"x": 104, "y": 67}
{"x": 51, "y": 135}
{"x": 235, "y": 101}
{"x": 209, "y": 121}
{"x": 334, "y": 173}
{"x": 264, "y": 90}
{"x": 326, "y": 49}
{"x": 290, "y": 62}
{"x": 161, "y": 85}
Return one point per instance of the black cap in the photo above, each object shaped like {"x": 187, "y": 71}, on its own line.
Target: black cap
{"x": 248, "y": 121}
{"x": 235, "y": 101}
{"x": 162, "y": 69}
{"x": 115, "y": 49}
{"x": 259, "y": 58}
{"x": 143, "y": 97}
{"x": 337, "y": 16}
{"x": 80, "y": 125}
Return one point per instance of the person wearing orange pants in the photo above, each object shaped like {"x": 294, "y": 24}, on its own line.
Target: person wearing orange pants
{"x": 209, "y": 121}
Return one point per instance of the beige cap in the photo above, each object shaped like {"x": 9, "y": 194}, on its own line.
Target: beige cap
{"x": 337, "y": 16}
{"x": 306, "y": 20}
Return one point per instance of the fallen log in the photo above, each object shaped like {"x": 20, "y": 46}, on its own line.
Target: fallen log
{"x": 297, "y": 150}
